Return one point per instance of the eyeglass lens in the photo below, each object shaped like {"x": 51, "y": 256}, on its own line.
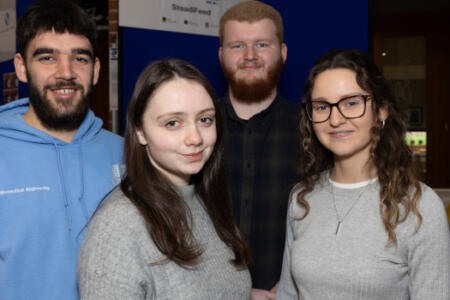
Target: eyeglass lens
{"x": 350, "y": 107}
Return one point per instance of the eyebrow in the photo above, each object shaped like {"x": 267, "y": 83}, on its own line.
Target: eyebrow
{"x": 183, "y": 113}
{"x": 240, "y": 41}
{"x": 322, "y": 99}
{"x": 40, "y": 51}
{"x": 82, "y": 51}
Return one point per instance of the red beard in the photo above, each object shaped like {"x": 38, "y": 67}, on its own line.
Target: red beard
{"x": 257, "y": 90}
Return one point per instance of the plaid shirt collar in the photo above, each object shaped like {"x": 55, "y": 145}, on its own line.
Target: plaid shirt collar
{"x": 262, "y": 117}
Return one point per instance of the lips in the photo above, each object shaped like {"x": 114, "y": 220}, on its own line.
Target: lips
{"x": 341, "y": 134}
{"x": 64, "y": 88}
{"x": 250, "y": 66}
{"x": 63, "y": 91}
{"x": 194, "y": 156}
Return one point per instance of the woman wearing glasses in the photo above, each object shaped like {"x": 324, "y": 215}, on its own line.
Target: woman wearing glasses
{"x": 360, "y": 225}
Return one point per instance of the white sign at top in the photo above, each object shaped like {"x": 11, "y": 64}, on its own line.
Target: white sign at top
{"x": 188, "y": 16}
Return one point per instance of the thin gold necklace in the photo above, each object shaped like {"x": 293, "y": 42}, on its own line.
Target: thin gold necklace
{"x": 340, "y": 221}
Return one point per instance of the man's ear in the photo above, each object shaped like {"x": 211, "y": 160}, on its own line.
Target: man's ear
{"x": 284, "y": 52}
{"x": 96, "y": 70}
{"x": 21, "y": 69}
{"x": 220, "y": 54}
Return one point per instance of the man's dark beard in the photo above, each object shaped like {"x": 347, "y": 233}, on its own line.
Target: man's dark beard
{"x": 257, "y": 90}
{"x": 49, "y": 115}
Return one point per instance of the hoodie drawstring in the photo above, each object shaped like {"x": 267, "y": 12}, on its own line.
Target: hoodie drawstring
{"x": 63, "y": 187}
{"x": 81, "y": 198}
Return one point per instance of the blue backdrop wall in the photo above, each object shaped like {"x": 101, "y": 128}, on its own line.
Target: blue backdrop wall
{"x": 311, "y": 28}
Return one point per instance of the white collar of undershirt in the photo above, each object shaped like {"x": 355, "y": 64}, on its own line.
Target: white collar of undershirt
{"x": 355, "y": 185}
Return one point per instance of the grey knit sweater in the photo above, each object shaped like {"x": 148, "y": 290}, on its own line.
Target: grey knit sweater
{"x": 355, "y": 263}
{"x": 115, "y": 260}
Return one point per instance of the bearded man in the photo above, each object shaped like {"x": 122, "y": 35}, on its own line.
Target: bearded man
{"x": 56, "y": 161}
{"x": 261, "y": 134}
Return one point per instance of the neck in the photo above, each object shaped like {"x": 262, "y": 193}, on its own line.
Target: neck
{"x": 245, "y": 110}
{"x": 349, "y": 172}
{"x": 32, "y": 120}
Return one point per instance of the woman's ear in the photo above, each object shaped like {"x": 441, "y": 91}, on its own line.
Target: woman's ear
{"x": 141, "y": 137}
{"x": 383, "y": 113}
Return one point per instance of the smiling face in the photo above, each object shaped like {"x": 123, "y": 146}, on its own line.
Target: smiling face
{"x": 252, "y": 57}
{"x": 345, "y": 138}
{"x": 60, "y": 70}
{"x": 179, "y": 129}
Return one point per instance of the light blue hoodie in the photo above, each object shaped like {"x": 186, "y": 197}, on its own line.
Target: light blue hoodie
{"x": 48, "y": 191}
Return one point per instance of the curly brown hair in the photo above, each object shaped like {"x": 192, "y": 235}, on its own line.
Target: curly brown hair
{"x": 389, "y": 152}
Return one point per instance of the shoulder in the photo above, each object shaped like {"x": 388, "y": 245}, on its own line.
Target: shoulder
{"x": 117, "y": 215}
{"x": 287, "y": 106}
{"x": 117, "y": 231}
{"x": 320, "y": 187}
{"x": 115, "y": 253}
{"x": 223, "y": 102}
{"x": 294, "y": 208}
{"x": 287, "y": 111}
{"x": 110, "y": 137}
{"x": 430, "y": 205}
{"x": 434, "y": 219}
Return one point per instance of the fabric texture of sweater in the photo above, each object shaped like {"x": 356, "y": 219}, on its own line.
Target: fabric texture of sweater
{"x": 355, "y": 263}
{"x": 118, "y": 259}
{"x": 48, "y": 191}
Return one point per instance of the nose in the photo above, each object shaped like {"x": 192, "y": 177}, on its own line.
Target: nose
{"x": 65, "y": 69}
{"x": 193, "y": 136}
{"x": 336, "y": 118}
{"x": 250, "y": 53}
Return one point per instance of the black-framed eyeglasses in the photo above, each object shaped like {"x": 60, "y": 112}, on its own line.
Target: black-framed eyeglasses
{"x": 351, "y": 107}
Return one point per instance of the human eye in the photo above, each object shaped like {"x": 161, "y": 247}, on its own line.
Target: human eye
{"x": 82, "y": 59}
{"x": 320, "y": 106}
{"x": 46, "y": 59}
{"x": 236, "y": 46}
{"x": 261, "y": 45}
{"x": 207, "y": 120}
{"x": 352, "y": 102}
{"x": 172, "y": 124}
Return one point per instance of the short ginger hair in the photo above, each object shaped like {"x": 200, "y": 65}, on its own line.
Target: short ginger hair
{"x": 252, "y": 11}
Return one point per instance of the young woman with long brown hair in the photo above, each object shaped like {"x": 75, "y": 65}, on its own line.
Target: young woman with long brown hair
{"x": 168, "y": 231}
{"x": 360, "y": 225}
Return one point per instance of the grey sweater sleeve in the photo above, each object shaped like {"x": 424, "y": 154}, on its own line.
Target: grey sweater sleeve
{"x": 287, "y": 288}
{"x": 429, "y": 251}
{"x": 109, "y": 263}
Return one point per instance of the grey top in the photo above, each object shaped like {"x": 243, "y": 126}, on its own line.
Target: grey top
{"x": 355, "y": 263}
{"x": 115, "y": 259}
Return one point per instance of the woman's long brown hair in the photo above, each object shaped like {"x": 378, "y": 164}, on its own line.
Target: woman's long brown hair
{"x": 389, "y": 152}
{"x": 167, "y": 217}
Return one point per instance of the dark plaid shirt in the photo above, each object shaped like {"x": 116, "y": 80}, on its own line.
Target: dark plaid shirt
{"x": 261, "y": 159}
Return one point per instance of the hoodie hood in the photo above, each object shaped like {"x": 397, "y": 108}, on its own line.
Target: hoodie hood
{"x": 12, "y": 125}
